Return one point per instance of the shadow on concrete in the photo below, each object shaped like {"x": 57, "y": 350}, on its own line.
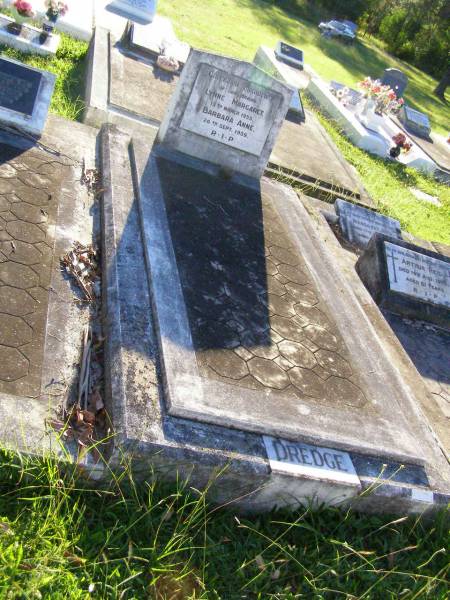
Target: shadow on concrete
{"x": 217, "y": 233}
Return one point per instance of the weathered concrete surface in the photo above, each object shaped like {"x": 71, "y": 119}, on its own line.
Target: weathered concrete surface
{"x": 306, "y": 151}
{"x": 44, "y": 209}
{"x": 145, "y": 431}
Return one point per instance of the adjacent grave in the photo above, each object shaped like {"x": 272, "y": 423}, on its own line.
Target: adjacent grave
{"x": 156, "y": 38}
{"x": 396, "y": 80}
{"x": 25, "y": 95}
{"x": 289, "y": 54}
{"x": 140, "y": 11}
{"x": 29, "y": 40}
{"x": 407, "y": 279}
{"x": 415, "y": 121}
{"x": 351, "y": 96}
{"x": 226, "y": 112}
{"x": 358, "y": 224}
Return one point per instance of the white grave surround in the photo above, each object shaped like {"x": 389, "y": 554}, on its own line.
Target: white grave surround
{"x": 312, "y": 462}
{"x": 226, "y": 112}
{"x": 29, "y": 46}
{"x": 418, "y": 275}
{"x": 358, "y": 224}
{"x": 139, "y": 11}
{"x": 35, "y": 123}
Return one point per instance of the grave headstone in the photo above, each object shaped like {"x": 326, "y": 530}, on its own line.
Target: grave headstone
{"x": 225, "y": 111}
{"x": 396, "y": 80}
{"x": 25, "y": 95}
{"x": 139, "y": 11}
{"x": 156, "y": 38}
{"x": 289, "y": 54}
{"x": 358, "y": 224}
{"x": 407, "y": 279}
{"x": 415, "y": 121}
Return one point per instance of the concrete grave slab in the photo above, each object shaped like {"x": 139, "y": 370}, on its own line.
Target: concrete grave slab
{"x": 256, "y": 323}
{"x": 407, "y": 279}
{"x": 156, "y": 439}
{"x": 226, "y": 112}
{"x": 25, "y": 95}
{"x": 358, "y": 224}
{"x": 43, "y": 209}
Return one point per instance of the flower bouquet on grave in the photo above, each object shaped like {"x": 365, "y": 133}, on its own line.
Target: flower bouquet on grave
{"x": 22, "y": 12}
{"x": 55, "y": 9}
{"x": 401, "y": 144}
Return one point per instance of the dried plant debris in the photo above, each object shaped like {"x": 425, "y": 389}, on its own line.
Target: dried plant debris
{"x": 82, "y": 264}
{"x": 91, "y": 178}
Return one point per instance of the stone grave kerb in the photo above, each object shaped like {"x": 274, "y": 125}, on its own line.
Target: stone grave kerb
{"x": 226, "y": 112}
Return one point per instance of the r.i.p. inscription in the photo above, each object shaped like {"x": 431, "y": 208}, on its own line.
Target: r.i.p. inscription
{"x": 230, "y": 110}
{"x": 418, "y": 275}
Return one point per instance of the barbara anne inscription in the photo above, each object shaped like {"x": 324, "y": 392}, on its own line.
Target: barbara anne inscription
{"x": 418, "y": 275}
{"x": 230, "y": 110}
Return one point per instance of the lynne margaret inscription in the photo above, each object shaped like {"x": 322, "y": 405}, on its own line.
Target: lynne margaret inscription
{"x": 230, "y": 110}
{"x": 418, "y": 275}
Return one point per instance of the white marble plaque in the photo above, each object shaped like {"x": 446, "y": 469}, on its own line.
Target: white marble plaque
{"x": 230, "y": 110}
{"x": 141, "y": 11}
{"x": 418, "y": 275}
{"x": 316, "y": 462}
{"x": 358, "y": 224}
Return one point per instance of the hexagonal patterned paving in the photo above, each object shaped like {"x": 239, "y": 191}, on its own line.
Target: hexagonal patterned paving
{"x": 29, "y": 190}
{"x": 257, "y": 318}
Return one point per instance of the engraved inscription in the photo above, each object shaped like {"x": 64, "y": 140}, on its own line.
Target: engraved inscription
{"x": 359, "y": 224}
{"x": 418, "y": 275}
{"x": 19, "y": 87}
{"x": 230, "y": 110}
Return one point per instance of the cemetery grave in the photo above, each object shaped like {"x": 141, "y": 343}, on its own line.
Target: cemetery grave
{"x": 230, "y": 309}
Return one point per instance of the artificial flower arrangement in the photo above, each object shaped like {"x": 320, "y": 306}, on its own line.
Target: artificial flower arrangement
{"x": 401, "y": 144}
{"x": 24, "y": 9}
{"x": 385, "y": 98}
{"x": 55, "y": 9}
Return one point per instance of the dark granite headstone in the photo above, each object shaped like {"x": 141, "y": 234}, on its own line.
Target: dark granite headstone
{"x": 407, "y": 279}
{"x": 25, "y": 95}
{"x": 396, "y": 80}
{"x": 359, "y": 224}
{"x": 289, "y": 54}
{"x": 415, "y": 121}
{"x": 19, "y": 87}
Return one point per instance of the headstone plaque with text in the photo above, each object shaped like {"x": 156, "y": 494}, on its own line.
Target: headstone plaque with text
{"x": 289, "y": 54}
{"x": 407, "y": 279}
{"x": 415, "y": 121}
{"x": 226, "y": 112}
{"x": 139, "y": 11}
{"x": 358, "y": 224}
{"x": 25, "y": 94}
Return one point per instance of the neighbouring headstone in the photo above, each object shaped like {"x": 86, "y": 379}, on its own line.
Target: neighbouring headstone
{"x": 25, "y": 95}
{"x": 289, "y": 54}
{"x": 358, "y": 224}
{"x": 155, "y": 38}
{"x": 395, "y": 79}
{"x": 407, "y": 279}
{"x": 415, "y": 121}
{"x": 139, "y": 11}
{"x": 225, "y": 111}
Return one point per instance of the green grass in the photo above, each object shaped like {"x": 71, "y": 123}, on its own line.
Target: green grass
{"x": 239, "y": 27}
{"x": 59, "y": 540}
{"x": 69, "y": 66}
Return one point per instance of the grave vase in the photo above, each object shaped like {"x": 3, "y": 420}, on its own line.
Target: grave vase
{"x": 16, "y": 27}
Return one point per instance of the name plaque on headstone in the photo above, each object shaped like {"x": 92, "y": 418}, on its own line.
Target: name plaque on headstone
{"x": 407, "y": 279}
{"x": 25, "y": 95}
{"x": 289, "y": 54}
{"x": 418, "y": 275}
{"x": 226, "y": 112}
{"x": 315, "y": 462}
{"x": 140, "y": 11}
{"x": 358, "y": 224}
{"x": 231, "y": 110}
{"x": 19, "y": 87}
{"x": 415, "y": 121}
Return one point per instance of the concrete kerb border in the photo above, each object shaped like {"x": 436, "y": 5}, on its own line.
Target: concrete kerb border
{"x": 178, "y": 445}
